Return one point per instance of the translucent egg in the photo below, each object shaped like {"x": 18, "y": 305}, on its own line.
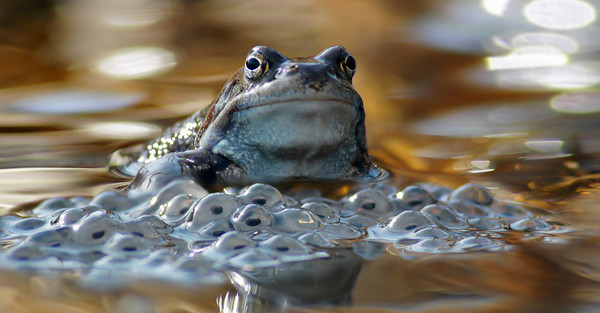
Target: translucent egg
{"x": 436, "y": 232}
{"x": 94, "y": 229}
{"x": 130, "y": 245}
{"x": 70, "y": 216}
{"x": 215, "y": 229}
{"x": 250, "y": 260}
{"x": 140, "y": 229}
{"x": 323, "y": 211}
{"x": 316, "y": 239}
{"x": 29, "y": 224}
{"x": 469, "y": 209}
{"x": 433, "y": 245}
{"x": 173, "y": 189}
{"x": 176, "y": 210}
{"x": 368, "y": 250}
{"x": 478, "y": 244}
{"x": 509, "y": 210}
{"x": 443, "y": 215}
{"x": 359, "y": 220}
{"x": 50, "y": 205}
{"x": 369, "y": 200}
{"x": 26, "y": 253}
{"x": 251, "y": 217}
{"x": 229, "y": 244}
{"x": 262, "y": 194}
{"x": 212, "y": 207}
{"x": 474, "y": 193}
{"x": 387, "y": 190}
{"x": 485, "y": 223}
{"x": 409, "y": 221}
{"x": 296, "y": 220}
{"x": 341, "y": 231}
{"x": 415, "y": 197}
{"x": 53, "y": 238}
{"x": 280, "y": 244}
{"x": 112, "y": 200}
{"x": 530, "y": 224}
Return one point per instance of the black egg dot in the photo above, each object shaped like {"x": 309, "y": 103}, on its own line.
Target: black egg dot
{"x": 368, "y": 206}
{"x": 259, "y": 201}
{"x": 238, "y": 247}
{"x": 253, "y": 222}
{"x": 414, "y": 203}
{"x": 182, "y": 211}
{"x": 410, "y": 227}
{"x": 129, "y": 249}
{"x": 98, "y": 234}
{"x": 252, "y": 63}
{"x": 218, "y": 233}
{"x": 282, "y": 249}
{"x": 55, "y": 245}
{"x": 217, "y": 210}
{"x": 135, "y": 233}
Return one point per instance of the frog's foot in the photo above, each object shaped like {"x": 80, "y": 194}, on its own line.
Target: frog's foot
{"x": 201, "y": 166}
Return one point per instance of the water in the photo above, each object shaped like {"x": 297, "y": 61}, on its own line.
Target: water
{"x": 509, "y": 104}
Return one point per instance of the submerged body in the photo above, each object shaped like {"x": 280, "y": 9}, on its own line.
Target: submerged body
{"x": 276, "y": 120}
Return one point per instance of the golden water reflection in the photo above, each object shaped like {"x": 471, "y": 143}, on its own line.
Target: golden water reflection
{"x": 501, "y": 92}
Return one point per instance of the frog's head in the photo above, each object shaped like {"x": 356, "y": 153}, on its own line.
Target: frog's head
{"x": 286, "y": 119}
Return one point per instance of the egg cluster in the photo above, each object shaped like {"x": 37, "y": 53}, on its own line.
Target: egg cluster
{"x": 183, "y": 232}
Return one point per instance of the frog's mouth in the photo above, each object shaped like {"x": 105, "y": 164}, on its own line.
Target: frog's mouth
{"x": 322, "y": 102}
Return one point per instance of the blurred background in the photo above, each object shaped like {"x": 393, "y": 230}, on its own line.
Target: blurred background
{"x": 500, "y": 92}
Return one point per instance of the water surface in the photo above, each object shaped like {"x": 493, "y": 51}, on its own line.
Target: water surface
{"x": 501, "y": 93}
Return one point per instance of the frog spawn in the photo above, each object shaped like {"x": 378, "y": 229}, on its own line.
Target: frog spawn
{"x": 183, "y": 230}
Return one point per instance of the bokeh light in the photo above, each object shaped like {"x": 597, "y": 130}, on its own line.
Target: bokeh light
{"x": 583, "y": 102}
{"x": 135, "y": 14}
{"x": 137, "y": 62}
{"x": 122, "y": 130}
{"x": 495, "y": 7}
{"x": 528, "y": 57}
{"x": 560, "y": 14}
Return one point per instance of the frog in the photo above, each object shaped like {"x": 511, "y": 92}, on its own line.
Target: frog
{"x": 276, "y": 120}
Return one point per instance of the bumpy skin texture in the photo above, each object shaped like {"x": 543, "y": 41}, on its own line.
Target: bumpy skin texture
{"x": 275, "y": 120}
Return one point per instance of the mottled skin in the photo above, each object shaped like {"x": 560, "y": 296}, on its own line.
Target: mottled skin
{"x": 276, "y": 120}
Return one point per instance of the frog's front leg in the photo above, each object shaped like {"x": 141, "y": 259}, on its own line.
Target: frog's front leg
{"x": 202, "y": 166}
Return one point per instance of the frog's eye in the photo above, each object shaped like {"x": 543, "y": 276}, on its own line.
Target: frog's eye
{"x": 255, "y": 66}
{"x": 349, "y": 65}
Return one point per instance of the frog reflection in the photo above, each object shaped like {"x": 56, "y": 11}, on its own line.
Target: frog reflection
{"x": 276, "y": 120}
